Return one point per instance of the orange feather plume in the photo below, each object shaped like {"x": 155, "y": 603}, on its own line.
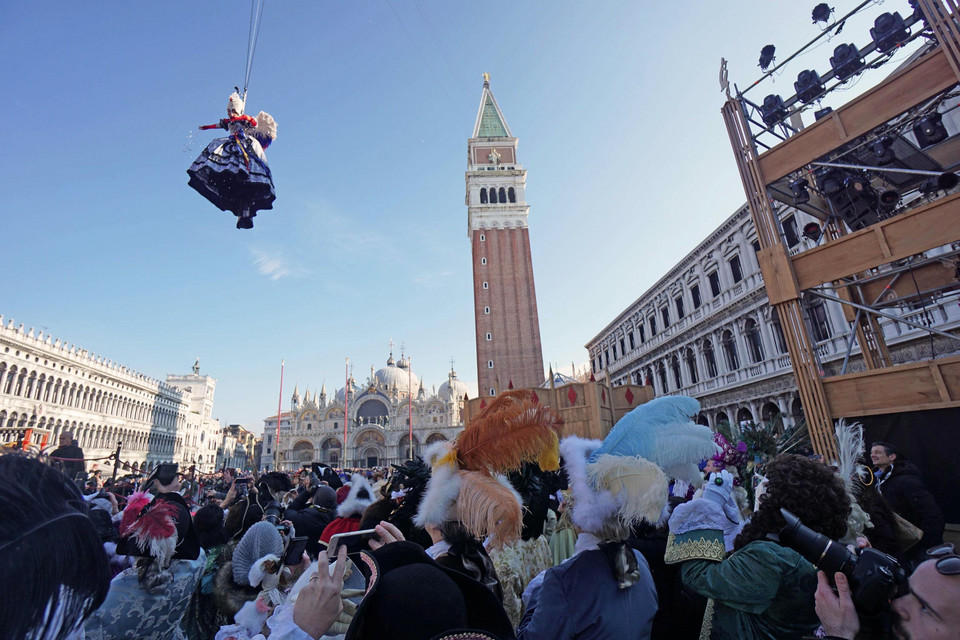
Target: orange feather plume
{"x": 488, "y": 506}
{"x": 511, "y": 431}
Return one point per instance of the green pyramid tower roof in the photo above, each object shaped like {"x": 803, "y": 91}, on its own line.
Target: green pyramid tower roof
{"x": 490, "y": 120}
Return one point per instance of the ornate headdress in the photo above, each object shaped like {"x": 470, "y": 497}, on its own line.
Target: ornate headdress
{"x": 622, "y": 481}
{"x": 467, "y": 482}
{"x": 729, "y": 456}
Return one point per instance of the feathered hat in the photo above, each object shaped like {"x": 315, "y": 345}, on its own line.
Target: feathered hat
{"x": 467, "y": 482}
{"x": 663, "y": 432}
{"x": 162, "y": 530}
{"x": 622, "y": 481}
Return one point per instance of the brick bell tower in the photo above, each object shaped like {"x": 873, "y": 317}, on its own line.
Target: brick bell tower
{"x": 504, "y": 297}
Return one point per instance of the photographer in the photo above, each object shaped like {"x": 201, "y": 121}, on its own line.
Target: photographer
{"x": 929, "y": 610}
{"x": 223, "y": 485}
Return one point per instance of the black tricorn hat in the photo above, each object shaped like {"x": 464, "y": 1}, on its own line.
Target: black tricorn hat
{"x": 411, "y": 597}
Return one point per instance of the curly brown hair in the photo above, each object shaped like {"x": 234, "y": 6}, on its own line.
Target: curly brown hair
{"x": 810, "y": 490}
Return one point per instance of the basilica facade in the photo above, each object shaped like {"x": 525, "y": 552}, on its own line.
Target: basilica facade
{"x": 378, "y": 416}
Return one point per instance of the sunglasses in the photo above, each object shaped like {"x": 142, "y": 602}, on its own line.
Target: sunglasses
{"x": 947, "y": 560}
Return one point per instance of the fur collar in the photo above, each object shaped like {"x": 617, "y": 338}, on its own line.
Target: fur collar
{"x": 228, "y": 596}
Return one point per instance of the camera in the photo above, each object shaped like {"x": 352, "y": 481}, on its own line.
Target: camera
{"x": 874, "y": 577}
{"x": 273, "y": 513}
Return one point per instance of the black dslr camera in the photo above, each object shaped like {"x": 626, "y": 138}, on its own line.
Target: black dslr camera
{"x": 273, "y": 513}
{"x": 874, "y": 577}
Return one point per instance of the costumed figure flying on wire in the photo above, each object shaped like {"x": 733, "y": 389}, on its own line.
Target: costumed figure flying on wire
{"x": 232, "y": 171}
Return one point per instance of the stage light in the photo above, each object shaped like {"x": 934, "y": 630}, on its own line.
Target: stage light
{"x": 930, "y": 130}
{"x": 772, "y": 110}
{"x": 800, "y": 193}
{"x": 860, "y": 184}
{"x": 846, "y": 61}
{"x": 888, "y": 32}
{"x": 882, "y": 153}
{"x": 822, "y": 113}
{"x": 889, "y": 200}
{"x": 766, "y": 56}
{"x": 943, "y": 182}
{"x": 821, "y": 12}
{"x": 808, "y": 86}
{"x": 812, "y": 230}
{"x": 830, "y": 180}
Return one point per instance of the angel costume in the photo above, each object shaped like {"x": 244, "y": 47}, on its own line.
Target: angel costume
{"x": 232, "y": 171}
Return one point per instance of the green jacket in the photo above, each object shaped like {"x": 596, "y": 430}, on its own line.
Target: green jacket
{"x": 763, "y": 591}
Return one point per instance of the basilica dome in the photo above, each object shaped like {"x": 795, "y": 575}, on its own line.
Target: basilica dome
{"x": 341, "y": 394}
{"x": 458, "y": 388}
{"x": 398, "y": 374}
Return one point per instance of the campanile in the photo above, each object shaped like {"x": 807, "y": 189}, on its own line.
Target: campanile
{"x": 504, "y": 297}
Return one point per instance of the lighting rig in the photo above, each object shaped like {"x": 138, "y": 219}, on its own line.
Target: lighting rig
{"x": 877, "y": 173}
{"x": 889, "y": 33}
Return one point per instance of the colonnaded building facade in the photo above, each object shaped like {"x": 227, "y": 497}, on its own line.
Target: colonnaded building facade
{"x": 707, "y": 330}
{"x": 48, "y": 387}
{"x": 377, "y": 419}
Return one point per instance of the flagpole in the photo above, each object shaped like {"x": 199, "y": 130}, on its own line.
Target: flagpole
{"x": 346, "y": 413}
{"x": 276, "y": 446}
{"x": 410, "y": 403}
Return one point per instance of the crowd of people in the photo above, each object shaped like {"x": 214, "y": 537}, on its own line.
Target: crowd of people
{"x": 664, "y": 529}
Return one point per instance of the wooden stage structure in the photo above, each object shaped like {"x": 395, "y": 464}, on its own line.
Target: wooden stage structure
{"x": 857, "y": 267}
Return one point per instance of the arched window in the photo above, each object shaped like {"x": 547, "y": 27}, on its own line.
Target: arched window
{"x": 662, "y": 374}
{"x": 502, "y": 195}
{"x": 730, "y": 350}
{"x": 691, "y": 359}
{"x": 511, "y": 195}
{"x": 493, "y": 195}
{"x": 710, "y": 358}
{"x": 10, "y": 378}
{"x": 483, "y": 196}
{"x": 754, "y": 341}
{"x": 779, "y": 342}
{"x": 675, "y": 367}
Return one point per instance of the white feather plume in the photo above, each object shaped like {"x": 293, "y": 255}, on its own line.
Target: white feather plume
{"x": 436, "y": 505}
{"x": 266, "y": 125}
{"x": 850, "y": 447}
{"x": 590, "y": 510}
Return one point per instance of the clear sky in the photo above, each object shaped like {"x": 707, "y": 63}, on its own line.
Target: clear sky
{"x": 616, "y": 105}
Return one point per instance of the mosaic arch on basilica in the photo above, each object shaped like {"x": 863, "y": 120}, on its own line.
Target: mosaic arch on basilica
{"x": 378, "y": 431}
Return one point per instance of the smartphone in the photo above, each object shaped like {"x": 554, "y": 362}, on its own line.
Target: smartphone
{"x": 295, "y": 551}
{"x": 355, "y": 541}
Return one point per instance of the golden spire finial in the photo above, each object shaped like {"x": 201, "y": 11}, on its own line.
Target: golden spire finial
{"x": 486, "y": 78}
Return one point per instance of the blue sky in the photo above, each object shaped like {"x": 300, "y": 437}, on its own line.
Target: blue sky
{"x": 616, "y": 105}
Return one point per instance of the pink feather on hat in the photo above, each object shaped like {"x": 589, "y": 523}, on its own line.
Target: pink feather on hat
{"x": 135, "y": 504}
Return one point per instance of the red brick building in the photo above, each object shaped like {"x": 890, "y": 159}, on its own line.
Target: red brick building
{"x": 505, "y": 300}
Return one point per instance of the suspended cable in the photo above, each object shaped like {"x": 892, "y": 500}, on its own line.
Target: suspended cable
{"x": 443, "y": 50}
{"x": 256, "y": 13}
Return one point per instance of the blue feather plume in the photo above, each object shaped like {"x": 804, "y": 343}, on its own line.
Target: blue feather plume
{"x": 663, "y": 432}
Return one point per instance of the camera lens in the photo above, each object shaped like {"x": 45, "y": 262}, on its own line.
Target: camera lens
{"x": 273, "y": 512}
{"x": 817, "y": 548}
